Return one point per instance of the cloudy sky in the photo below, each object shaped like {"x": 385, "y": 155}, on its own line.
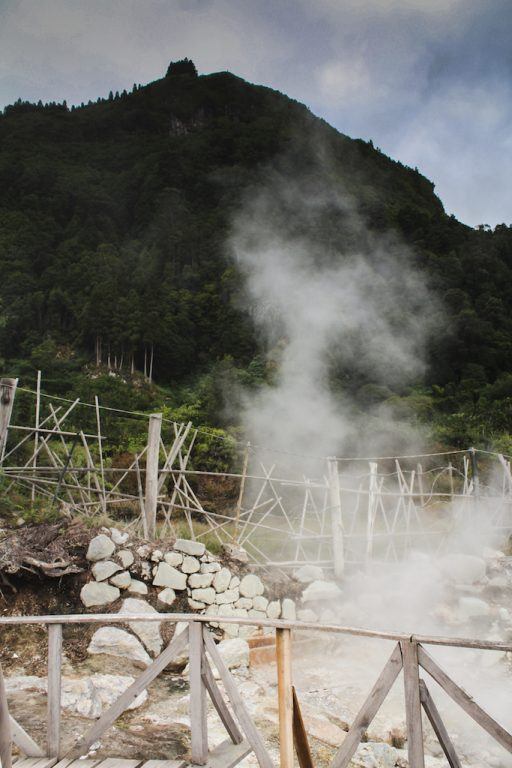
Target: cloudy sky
{"x": 429, "y": 81}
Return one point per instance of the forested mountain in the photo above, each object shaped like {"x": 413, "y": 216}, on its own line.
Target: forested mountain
{"x": 113, "y": 224}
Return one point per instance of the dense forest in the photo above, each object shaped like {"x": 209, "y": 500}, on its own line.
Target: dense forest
{"x": 114, "y": 218}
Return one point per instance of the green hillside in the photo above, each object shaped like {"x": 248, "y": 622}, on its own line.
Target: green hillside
{"x": 114, "y": 218}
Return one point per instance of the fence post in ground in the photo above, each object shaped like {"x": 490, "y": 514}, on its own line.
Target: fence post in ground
{"x": 415, "y": 751}
{"x": 5, "y": 727}
{"x": 154, "y": 431}
{"x": 336, "y": 517}
{"x": 198, "y": 724}
{"x": 285, "y": 696}
{"x": 54, "y": 688}
{"x": 7, "y": 392}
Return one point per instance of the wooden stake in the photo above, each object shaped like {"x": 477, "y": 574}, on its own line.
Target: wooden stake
{"x": 198, "y": 724}
{"x": 54, "y": 688}
{"x": 415, "y": 751}
{"x": 242, "y": 488}
{"x": 300, "y": 738}
{"x": 100, "y": 450}
{"x": 336, "y": 518}
{"x": 7, "y": 393}
{"x": 5, "y": 727}
{"x": 285, "y": 696}
{"x": 36, "y": 433}
{"x": 154, "y": 431}
{"x": 439, "y": 728}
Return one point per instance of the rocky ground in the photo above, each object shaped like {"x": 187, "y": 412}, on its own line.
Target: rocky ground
{"x": 461, "y": 594}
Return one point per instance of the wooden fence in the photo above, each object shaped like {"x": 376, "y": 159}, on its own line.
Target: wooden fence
{"x": 409, "y": 657}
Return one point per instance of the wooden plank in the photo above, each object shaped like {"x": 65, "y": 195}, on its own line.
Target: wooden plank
{"x": 253, "y": 736}
{"x": 300, "y": 737}
{"x": 5, "y": 726}
{"x": 439, "y": 727}
{"x": 54, "y": 689}
{"x": 220, "y": 705}
{"x": 285, "y": 696}
{"x": 118, "y": 762}
{"x": 464, "y": 700}
{"x": 81, "y": 763}
{"x": 197, "y": 701}
{"x": 25, "y": 742}
{"x": 227, "y": 755}
{"x": 369, "y": 709}
{"x": 415, "y": 751}
{"x": 83, "y": 744}
{"x": 36, "y": 762}
{"x": 179, "y": 763}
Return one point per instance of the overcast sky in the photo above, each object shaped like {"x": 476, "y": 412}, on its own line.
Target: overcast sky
{"x": 429, "y": 81}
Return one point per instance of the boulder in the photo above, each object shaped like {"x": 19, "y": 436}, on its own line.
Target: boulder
{"x": 222, "y": 579}
{"x": 274, "y": 609}
{"x": 167, "y": 596}
{"x": 121, "y": 580}
{"x": 374, "y": 754}
{"x": 308, "y": 573}
{"x": 196, "y": 605}
{"x": 137, "y": 587}
{"x": 91, "y": 696}
{"x": 257, "y": 614}
{"x": 237, "y": 554}
{"x": 126, "y": 557}
{"x": 251, "y": 585}
{"x": 104, "y": 569}
{"x": 210, "y": 567}
{"x": 173, "y": 558}
{"x": 288, "y": 610}
{"x": 235, "y": 582}
{"x": 167, "y": 576}
{"x": 148, "y": 632}
{"x": 229, "y": 596}
{"x": 200, "y": 580}
{"x": 321, "y": 590}
{"x": 244, "y": 602}
{"x": 260, "y": 603}
{"x": 119, "y": 537}
{"x": 190, "y": 564}
{"x": 463, "y": 569}
{"x": 100, "y": 548}
{"x": 189, "y": 547}
{"x": 204, "y": 595}
{"x": 234, "y": 652}
{"x": 98, "y": 593}
{"x": 118, "y": 642}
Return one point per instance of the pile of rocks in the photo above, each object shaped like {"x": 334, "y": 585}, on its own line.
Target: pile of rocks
{"x": 188, "y": 570}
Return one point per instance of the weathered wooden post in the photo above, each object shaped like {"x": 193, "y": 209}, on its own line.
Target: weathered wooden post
{"x": 336, "y": 517}
{"x": 154, "y": 432}
{"x": 242, "y": 489}
{"x": 285, "y": 696}
{"x": 415, "y": 751}
{"x": 474, "y": 472}
{"x": 198, "y": 724}
{"x": 5, "y": 727}
{"x": 54, "y": 688}
{"x": 7, "y": 393}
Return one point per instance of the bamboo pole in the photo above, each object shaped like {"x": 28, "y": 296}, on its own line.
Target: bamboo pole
{"x": 336, "y": 517}
{"x": 285, "y": 696}
{"x": 36, "y": 432}
{"x": 7, "y": 393}
{"x": 154, "y": 432}
{"x": 242, "y": 489}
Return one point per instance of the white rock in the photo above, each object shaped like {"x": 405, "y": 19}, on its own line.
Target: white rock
{"x": 212, "y": 610}
{"x": 251, "y": 585}
{"x": 200, "y": 580}
{"x": 288, "y": 610}
{"x": 222, "y": 579}
{"x": 235, "y": 582}
{"x": 238, "y": 554}
{"x": 210, "y": 567}
{"x": 144, "y": 551}
{"x": 98, "y": 593}
{"x": 173, "y": 558}
{"x": 190, "y": 547}
{"x": 156, "y": 556}
{"x": 126, "y": 557}
{"x": 100, "y": 548}
{"x": 137, "y": 587}
{"x": 121, "y": 580}
{"x": 321, "y": 590}
{"x": 472, "y": 607}
{"x": 257, "y": 614}
{"x": 274, "y": 609}
{"x": 308, "y": 573}
{"x": 118, "y": 642}
{"x": 229, "y": 596}
{"x": 463, "y": 569}
{"x": 204, "y": 595}
{"x": 167, "y": 596}
{"x": 260, "y": 603}
{"x": 167, "y": 576}
{"x": 306, "y": 614}
{"x": 244, "y": 602}
{"x": 119, "y": 537}
{"x": 104, "y": 569}
{"x": 147, "y": 631}
{"x": 190, "y": 564}
{"x": 234, "y": 652}
{"x": 196, "y": 605}
{"x": 375, "y": 755}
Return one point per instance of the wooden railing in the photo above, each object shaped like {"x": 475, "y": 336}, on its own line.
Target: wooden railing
{"x": 409, "y": 655}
